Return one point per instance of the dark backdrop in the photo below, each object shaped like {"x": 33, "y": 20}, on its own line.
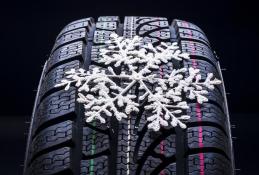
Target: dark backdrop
{"x": 28, "y": 31}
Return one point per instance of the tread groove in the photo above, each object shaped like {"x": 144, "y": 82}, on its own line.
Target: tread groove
{"x": 207, "y": 150}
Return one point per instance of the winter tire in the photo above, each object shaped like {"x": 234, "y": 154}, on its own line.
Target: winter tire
{"x": 61, "y": 142}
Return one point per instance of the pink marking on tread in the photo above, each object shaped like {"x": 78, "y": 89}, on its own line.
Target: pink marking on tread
{"x": 201, "y": 157}
{"x": 199, "y": 118}
{"x": 200, "y": 141}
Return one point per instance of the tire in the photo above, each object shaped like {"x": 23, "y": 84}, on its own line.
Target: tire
{"x": 61, "y": 142}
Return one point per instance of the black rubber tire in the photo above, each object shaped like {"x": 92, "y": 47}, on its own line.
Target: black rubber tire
{"x": 61, "y": 142}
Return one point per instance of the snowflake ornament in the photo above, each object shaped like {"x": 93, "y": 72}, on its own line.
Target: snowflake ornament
{"x": 105, "y": 92}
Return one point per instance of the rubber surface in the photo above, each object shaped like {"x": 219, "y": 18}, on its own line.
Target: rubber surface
{"x": 60, "y": 142}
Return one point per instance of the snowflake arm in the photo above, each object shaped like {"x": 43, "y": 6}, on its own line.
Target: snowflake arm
{"x": 160, "y": 55}
{"x": 121, "y": 52}
{"x": 106, "y": 102}
{"x": 194, "y": 86}
{"x": 161, "y": 114}
{"x": 101, "y": 84}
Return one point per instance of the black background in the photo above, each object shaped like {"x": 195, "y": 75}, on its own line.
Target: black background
{"x": 28, "y": 31}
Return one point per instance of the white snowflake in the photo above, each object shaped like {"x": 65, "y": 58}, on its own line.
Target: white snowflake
{"x": 105, "y": 92}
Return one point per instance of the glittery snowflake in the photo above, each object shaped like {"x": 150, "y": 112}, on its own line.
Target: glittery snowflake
{"x": 105, "y": 91}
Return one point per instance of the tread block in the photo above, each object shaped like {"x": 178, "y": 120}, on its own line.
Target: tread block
{"x": 209, "y": 113}
{"x": 57, "y": 106}
{"x": 152, "y": 25}
{"x": 185, "y": 24}
{"x": 56, "y": 75}
{"x": 100, "y": 36}
{"x": 169, "y": 170}
{"x": 159, "y": 35}
{"x": 65, "y": 53}
{"x": 207, "y": 137}
{"x": 192, "y": 34}
{"x": 150, "y": 164}
{"x": 57, "y": 161}
{"x": 197, "y": 49}
{"x": 78, "y": 34}
{"x": 216, "y": 96}
{"x": 152, "y": 29}
{"x": 106, "y": 25}
{"x": 83, "y": 23}
{"x": 104, "y": 28}
{"x": 167, "y": 147}
{"x": 95, "y": 52}
{"x": 92, "y": 166}
{"x": 81, "y": 20}
{"x": 155, "y": 37}
{"x": 214, "y": 164}
{"x": 144, "y": 23}
{"x": 108, "y": 18}
{"x": 51, "y": 136}
{"x": 94, "y": 142}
